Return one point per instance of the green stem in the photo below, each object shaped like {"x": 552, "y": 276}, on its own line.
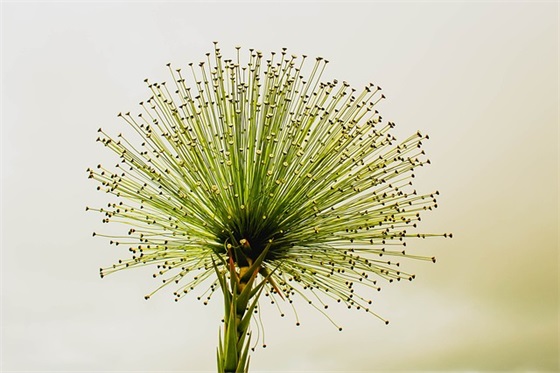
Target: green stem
{"x": 241, "y": 296}
{"x": 237, "y": 338}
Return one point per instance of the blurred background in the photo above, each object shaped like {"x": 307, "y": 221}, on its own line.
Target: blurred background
{"x": 480, "y": 78}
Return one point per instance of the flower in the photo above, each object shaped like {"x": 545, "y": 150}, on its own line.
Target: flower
{"x": 238, "y": 159}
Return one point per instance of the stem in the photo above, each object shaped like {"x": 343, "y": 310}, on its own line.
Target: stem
{"x": 237, "y": 338}
{"x": 241, "y": 296}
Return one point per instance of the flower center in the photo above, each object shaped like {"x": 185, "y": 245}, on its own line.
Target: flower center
{"x": 253, "y": 233}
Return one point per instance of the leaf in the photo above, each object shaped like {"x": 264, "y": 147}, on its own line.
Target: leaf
{"x": 230, "y": 343}
{"x": 243, "y": 364}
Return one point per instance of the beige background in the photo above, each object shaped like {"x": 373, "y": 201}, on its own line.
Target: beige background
{"x": 481, "y": 78}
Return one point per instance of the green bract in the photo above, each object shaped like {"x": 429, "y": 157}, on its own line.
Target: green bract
{"x": 232, "y": 159}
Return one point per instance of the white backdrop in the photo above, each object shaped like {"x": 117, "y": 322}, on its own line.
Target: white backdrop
{"x": 481, "y": 78}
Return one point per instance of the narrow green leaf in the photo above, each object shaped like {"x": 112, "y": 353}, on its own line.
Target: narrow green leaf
{"x": 243, "y": 364}
{"x": 220, "y": 352}
{"x": 223, "y": 287}
{"x": 230, "y": 344}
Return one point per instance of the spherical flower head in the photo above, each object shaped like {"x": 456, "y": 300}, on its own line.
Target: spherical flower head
{"x": 233, "y": 160}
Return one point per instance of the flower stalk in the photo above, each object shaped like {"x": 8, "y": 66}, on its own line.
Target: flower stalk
{"x": 241, "y": 296}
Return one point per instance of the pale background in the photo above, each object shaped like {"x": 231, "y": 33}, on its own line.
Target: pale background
{"x": 481, "y": 78}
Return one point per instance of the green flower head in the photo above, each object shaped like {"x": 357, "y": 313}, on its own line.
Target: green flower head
{"x": 235, "y": 161}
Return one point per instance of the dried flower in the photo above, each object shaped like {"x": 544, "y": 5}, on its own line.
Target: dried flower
{"x": 242, "y": 164}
